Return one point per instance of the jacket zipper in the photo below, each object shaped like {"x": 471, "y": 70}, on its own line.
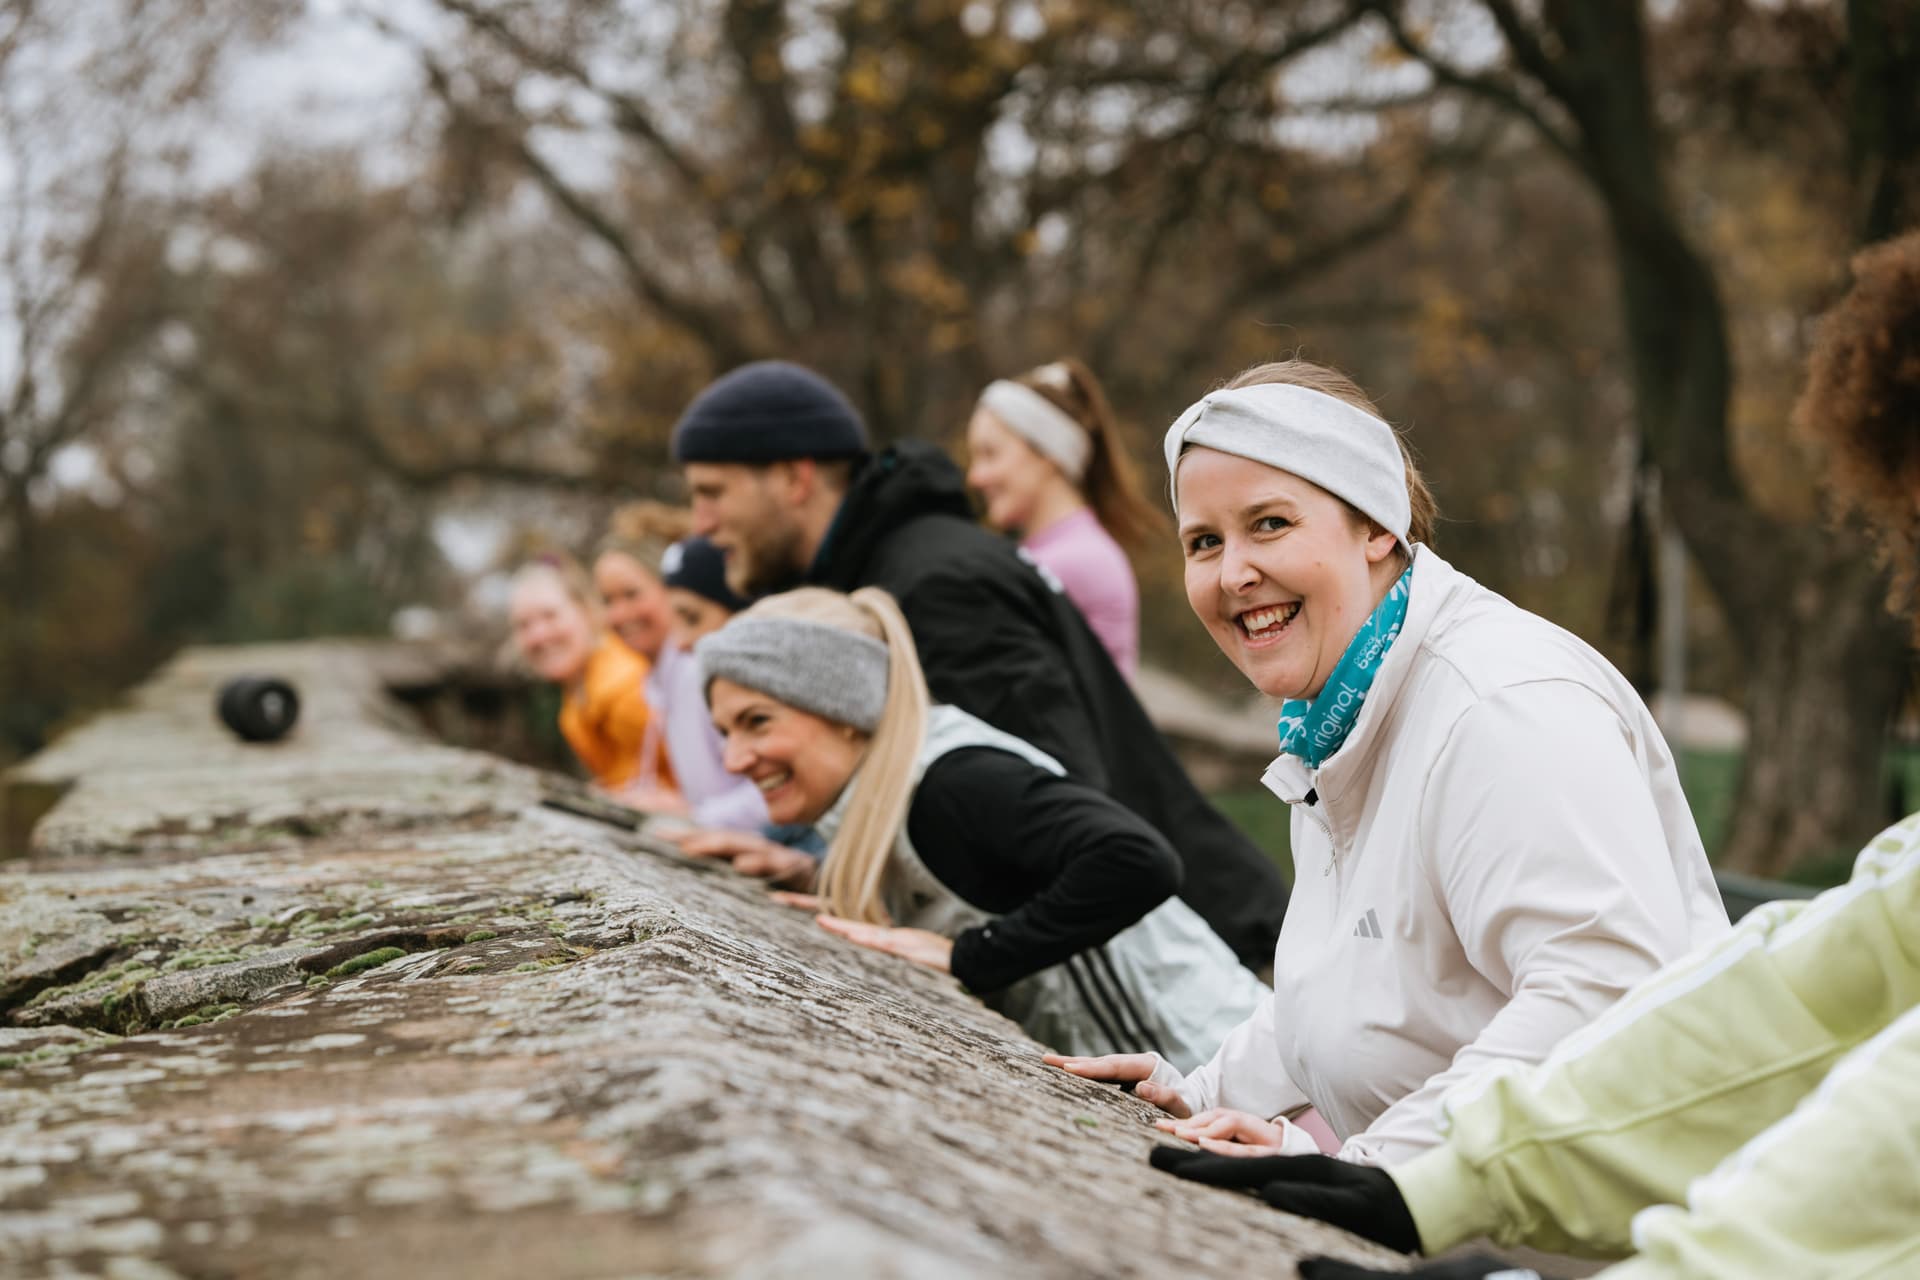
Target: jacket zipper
{"x": 1312, "y": 801}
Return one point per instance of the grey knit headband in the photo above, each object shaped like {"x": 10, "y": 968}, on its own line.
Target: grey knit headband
{"x": 836, "y": 674}
{"x": 1343, "y": 449}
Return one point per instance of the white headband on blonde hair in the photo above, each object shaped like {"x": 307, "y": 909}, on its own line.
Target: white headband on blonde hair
{"x": 1342, "y": 448}
{"x": 1041, "y": 423}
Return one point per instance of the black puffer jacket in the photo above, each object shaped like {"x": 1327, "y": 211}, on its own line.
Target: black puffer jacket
{"x": 998, "y": 641}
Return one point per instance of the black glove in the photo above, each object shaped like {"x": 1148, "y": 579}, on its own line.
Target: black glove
{"x": 1356, "y": 1197}
{"x": 1478, "y": 1267}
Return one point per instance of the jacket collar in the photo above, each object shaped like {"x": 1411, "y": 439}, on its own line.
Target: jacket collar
{"x": 1435, "y": 584}
{"x": 897, "y": 485}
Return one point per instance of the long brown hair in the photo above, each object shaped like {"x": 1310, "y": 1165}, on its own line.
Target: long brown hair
{"x": 1332, "y": 382}
{"x": 1110, "y": 484}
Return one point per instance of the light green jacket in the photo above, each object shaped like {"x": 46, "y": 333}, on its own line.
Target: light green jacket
{"x": 1752, "y": 1110}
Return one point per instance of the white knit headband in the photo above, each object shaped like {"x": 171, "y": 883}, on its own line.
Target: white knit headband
{"x": 1042, "y": 424}
{"x": 836, "y": 674}
{"x": 1343, "y": 449}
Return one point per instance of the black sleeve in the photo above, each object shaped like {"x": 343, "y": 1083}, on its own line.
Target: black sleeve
{"x": 1062, "y": 866}
{"x": 985, "y": 651}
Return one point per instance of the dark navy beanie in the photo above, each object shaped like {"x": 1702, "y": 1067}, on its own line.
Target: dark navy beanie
{"x": 696, "y": 565}
{"x": 768, "y": 411}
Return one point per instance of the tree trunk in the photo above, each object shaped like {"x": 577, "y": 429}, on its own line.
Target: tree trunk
{"x": 1821, "y": 685}
{"x": 1807, "y": 605}
{"x": 1824, "y": 662}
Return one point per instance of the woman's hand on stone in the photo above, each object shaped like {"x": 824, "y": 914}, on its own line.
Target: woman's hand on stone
{"x": 1125, "y": 1068}
{"x": 1227, "y": 1132}
{"x": 922, "y": 946}
{"x": 750, "y": 855}
{"x": 651, "y": 797}
{"x": 799, "y": 901}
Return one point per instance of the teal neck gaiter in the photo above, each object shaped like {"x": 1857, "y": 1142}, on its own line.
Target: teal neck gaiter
{"x": 1314, "y": 729}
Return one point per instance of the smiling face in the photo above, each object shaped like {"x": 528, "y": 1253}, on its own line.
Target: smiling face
{"x": 694, "y": 616}
{"x": 1007, "y": 473}
{"x": 743, "y": 510}
{"x": 551, "y": 630}
{"x": 800, "y": 762}
{"x": 636, "y": 602}
{"x": 1278, "y": 569}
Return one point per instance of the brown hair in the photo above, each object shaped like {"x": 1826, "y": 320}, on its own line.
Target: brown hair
{"x": 643, "y": 531}
{"x": 1331, "y": 382}
{"x": 1861, "y": 407}
{"x": 854, "y": 873}
{"x": 1110, "y": 486}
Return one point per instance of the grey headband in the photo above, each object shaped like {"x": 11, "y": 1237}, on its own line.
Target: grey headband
{"x": 836, "y": 674}
{"x": 1344, "y": 449}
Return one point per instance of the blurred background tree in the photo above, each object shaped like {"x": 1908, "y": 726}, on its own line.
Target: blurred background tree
{"x": 1570, "y": 248}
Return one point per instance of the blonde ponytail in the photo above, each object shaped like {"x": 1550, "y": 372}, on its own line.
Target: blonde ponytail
{"x": 854, "y": 873}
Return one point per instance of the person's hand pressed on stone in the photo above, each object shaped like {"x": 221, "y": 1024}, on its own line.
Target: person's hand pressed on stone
{"x": 652, "y": 798}
{"x": 922, "y": 946}
{"x": 1354, "y": 1197}
{"x": 1227, "y": 1132}
{"x": 751, "y": 855}
{"x": 1124, "y": 1068}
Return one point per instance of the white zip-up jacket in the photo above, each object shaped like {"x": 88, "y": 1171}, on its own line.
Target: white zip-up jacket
{"x": 1498, "y": 851}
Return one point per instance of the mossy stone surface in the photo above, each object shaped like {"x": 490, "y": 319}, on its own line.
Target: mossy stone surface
{"x": 579, "y": 1056}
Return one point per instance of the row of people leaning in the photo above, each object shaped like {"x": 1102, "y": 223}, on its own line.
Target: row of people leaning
{"x": 926, "y": 734}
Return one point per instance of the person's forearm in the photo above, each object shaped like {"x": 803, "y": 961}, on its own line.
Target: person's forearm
{"x": 1092, "y": 900}
{"x": 1827, "y": 1192}
{"x": 1627, "y": 1112}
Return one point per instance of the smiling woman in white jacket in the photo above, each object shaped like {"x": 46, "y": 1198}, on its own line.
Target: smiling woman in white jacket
{"x": 1490, "y": 841}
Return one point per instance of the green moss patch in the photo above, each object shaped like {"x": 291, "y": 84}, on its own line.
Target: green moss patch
{"x": 200, "y": 959}
{"x": 365, "y": 961}
{"x": 204, "y": 1014}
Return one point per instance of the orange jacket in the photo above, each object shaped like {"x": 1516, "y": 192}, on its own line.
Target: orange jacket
{"x": 605, "y": 717}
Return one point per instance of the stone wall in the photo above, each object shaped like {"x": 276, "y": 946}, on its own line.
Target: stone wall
{"x": 355, "y": 1002}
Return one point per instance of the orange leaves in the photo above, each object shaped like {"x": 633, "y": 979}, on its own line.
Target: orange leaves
{"x": 873, "y": 79}
{"x": 1448, "y": 346}
{"x": 921, "y": 278}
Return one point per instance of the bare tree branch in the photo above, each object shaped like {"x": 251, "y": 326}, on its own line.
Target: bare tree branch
{"x": 1499, "y": 93}
{"x": 1304, "y": 266}
{"x": 350, "y": 424}
{"x": 632, "y": 115}
{"x": 632, "y": 118}
{"x": 717, "y": 331}
{"x": 1524, "y": 44}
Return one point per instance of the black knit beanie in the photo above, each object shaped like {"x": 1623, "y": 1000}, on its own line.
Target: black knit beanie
{"x": 768, "y": 411}
{"x": 696, "y": 565}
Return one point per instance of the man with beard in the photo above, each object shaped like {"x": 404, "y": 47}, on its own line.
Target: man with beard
{"x": 782, "y": 481}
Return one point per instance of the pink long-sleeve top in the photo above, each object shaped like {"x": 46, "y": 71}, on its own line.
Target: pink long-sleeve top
{"x": 1097, "y": 577}
{"x": 715, "y": 797}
